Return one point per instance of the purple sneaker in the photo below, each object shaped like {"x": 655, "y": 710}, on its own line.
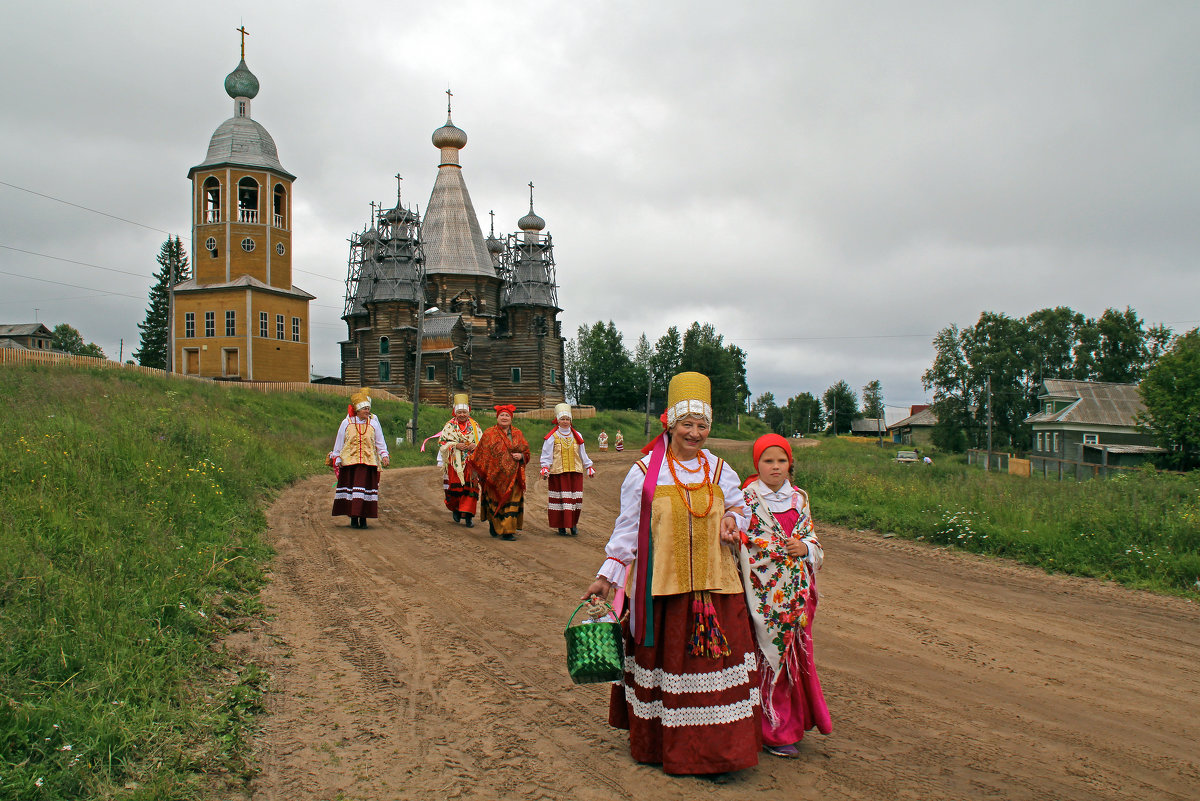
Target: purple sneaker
{"x": 785, "y": 751}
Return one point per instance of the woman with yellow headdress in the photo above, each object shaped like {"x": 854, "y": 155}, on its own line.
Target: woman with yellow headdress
{"x": 689, "y": 696}
{"x": 456, "y": 444}
{"x": 564, "y": 461}
{"x": 359, "y": 450}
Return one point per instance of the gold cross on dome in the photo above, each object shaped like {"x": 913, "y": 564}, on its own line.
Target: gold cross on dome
{"x": 244, "y": 33}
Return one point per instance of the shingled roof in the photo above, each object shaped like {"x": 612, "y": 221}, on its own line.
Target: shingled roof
{"x": 1092, "y": 403}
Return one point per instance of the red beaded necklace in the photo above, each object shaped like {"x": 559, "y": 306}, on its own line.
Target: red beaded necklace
{"x": 684, "y": 489}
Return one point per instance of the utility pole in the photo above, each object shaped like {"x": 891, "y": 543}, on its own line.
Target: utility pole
{"x": 170, "y": 360}
{"x": 835, "y": 413}
{"x": 988, "y": 465}
{"x": 649, "y": 389}
{"x": 420, "y": 257}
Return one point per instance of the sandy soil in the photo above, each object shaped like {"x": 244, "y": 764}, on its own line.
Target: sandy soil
{"x": 418, "y": 659}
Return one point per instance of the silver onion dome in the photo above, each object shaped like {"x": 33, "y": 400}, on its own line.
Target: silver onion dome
{"x": 450, "y": 135}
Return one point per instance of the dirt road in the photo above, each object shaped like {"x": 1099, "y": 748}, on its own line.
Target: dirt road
{"x": 418, "y": 659}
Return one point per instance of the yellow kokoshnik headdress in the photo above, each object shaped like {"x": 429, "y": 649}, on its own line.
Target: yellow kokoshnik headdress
{"x": 689, "y": 393}
{"x": 562, "y": 410}
{"x": 357, "y": 401}
{"x": 461, "y": 402}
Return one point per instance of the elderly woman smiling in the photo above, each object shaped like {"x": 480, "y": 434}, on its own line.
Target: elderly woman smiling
{"x": 689, "y": 696}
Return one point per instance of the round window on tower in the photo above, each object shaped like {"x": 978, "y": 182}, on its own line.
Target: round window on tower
{"x": 247, "y": 244}
{"x": 210, "y": 243}
{"x": 279, "y": 248}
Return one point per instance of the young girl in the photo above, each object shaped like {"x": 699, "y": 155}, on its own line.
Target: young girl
{"x": 780, "y": 556}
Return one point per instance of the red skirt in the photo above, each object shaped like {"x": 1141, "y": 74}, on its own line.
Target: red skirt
{"x": 460, "y": 496}
{"x": 566, "y": 499}
{"x": 357, "y": 493}
{"x": 692, "y": 714}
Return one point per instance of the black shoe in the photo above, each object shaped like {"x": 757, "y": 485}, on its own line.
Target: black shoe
{"x": 469, "y": 522}
{"x": 354, "y": 522}
{"x": 362, "y": 522}
{"x": 457, "y": 516}
{"x": 562, "y": 532}
{"x": 508, "y": 537}
{"x": 492, "y": 529}
{"x": 574, "y": 531}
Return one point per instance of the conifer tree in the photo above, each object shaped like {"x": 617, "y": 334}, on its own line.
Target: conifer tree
{"x": 172, "y": 259}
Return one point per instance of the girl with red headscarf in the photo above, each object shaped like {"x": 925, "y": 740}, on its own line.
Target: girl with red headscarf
{"x": 780, "y": 557}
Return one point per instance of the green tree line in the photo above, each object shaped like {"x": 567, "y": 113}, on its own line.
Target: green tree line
{"x": 602, "y": 372}
{"x": 1017, "y": 354}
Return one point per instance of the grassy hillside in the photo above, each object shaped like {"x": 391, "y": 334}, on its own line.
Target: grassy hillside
{"x": 130, "y": 537}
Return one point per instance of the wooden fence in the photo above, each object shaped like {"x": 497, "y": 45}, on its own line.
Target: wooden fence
{"x": 1045, "y": 466}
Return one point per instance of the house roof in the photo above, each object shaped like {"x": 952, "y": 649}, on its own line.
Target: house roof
{"x": 869, "y": 424}
{"x": 242, "y": 282}
{"x": 1094, "y": 403}
{"x": 438, "y": 326}
{"x": 925, "y": 417}
{"x": 5, "y": 342}
{"x": 1126, "y": 448}
{"x": 25, "y": 330}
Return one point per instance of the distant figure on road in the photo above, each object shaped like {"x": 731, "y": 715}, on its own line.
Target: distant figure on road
{"x": 563, "y": 462}
{"x": 499, "y": 462}
{"x": 456, "y": 444}
{"x": 620, "y": 442}
{"x": 358, "y": 452}
{"x": 603, "y": 440}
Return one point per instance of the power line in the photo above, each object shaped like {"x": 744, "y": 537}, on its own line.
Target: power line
{"x": 59, "y": 283}
{"x": 72, "y": 261}
{"x": 85, "y": 208}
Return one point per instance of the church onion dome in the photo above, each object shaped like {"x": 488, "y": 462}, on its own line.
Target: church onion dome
{"x": 399, "y": 215}
{"x": 369, "y": 235}
{"x": 241, "y": 82}
{"x": 494, "y": 245}
{"x": 450, "y": 135}
{"x": 531, "y": 222}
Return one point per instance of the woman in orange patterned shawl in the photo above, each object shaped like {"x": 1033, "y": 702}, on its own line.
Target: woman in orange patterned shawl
{"x": 499, "y": 461}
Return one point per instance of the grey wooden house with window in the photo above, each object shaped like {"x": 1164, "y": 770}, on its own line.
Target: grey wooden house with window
{"x": 1090, "y": 422}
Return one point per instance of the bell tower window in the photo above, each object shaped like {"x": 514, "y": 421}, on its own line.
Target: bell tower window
{"x": 280, "y": 198}
{"x": 248, "y": 200}
{"x": 212, "y": 200}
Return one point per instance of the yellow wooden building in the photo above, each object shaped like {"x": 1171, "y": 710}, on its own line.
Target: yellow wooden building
{"x": 239, "y": 317}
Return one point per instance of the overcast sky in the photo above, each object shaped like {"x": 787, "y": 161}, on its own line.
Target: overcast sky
{"x": 828, "y": 183}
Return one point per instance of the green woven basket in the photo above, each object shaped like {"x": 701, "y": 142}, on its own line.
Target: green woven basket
{"x": 594, "y": 652}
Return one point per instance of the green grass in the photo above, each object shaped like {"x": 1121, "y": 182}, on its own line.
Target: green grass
{"x": 131, "y": 522}
{"x": 1141, "y": 529}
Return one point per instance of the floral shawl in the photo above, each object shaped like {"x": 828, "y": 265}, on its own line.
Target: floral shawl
{"x": 499, "y": 473}
{"x": 452, "y": 434}
{"x": 777, "y": 586}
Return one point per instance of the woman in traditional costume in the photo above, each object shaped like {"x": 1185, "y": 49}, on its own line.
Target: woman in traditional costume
{"x": 499, "y": 462}
{"x": 602, "y": 440}
{"x": 689, "y": 696}
{"x": 780, "y": 557}
{"x": 456, "y": 443}
{"x": 619, "y": 442}
{"x": 564, "y": 461}
{"x": 358, "y": 452}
